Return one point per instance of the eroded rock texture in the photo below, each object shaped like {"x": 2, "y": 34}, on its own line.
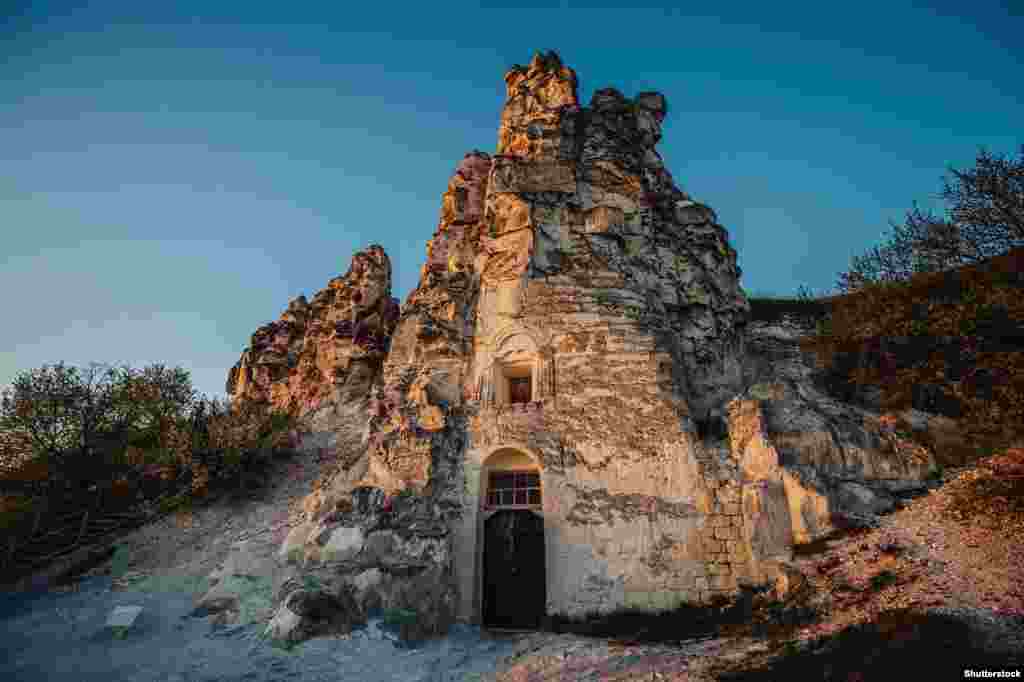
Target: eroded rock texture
{"x": 321, "y": 357}
{"x": 580, "y": 316}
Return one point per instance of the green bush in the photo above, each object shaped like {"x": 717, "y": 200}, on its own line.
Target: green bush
{"x": 178, "y": 501}
{"x": 119, "y": 562}
{"x": 883, "y": 579}
{"x": 280, "y": 421}
{"x": 160, "y": 456}
{"x": 400, "y": 616}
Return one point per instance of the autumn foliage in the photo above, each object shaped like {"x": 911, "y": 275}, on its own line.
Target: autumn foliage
{"x": 935, "y": 317}
{"x": 66, "y": 431}
{"x": 960, "y": 333}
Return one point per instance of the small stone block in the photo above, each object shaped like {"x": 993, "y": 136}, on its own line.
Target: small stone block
{"x": 123, "y": 616}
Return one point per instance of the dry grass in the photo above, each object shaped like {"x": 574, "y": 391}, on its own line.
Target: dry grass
{"x": 960, "y": 546}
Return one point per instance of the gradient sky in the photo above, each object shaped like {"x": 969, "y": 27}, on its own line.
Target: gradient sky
{"x": 171, "y": 175}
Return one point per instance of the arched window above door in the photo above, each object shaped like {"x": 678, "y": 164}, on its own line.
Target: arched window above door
{"x": 513, "y": 489}
{"x": 511, "y": 480}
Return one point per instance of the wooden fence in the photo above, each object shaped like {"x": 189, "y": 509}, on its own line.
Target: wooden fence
{"x": 61, "y": 528}
{"x": 55, "y": 535}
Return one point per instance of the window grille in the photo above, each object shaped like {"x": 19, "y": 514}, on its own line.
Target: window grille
{"x": 514, "y": 489}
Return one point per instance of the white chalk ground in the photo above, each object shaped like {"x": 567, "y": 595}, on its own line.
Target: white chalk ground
{"x": 65, "y": 636}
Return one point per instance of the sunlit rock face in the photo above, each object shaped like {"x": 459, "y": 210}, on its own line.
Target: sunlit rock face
{"x": 579, "y": 316}
{"x": 315, "y": 348}
{"x": 321, "y": 357}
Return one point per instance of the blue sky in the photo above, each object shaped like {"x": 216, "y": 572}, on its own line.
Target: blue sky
{"x": 171, "y": 175}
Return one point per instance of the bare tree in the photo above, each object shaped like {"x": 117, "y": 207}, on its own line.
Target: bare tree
{"x": 988, "y": 202}
{"x": 887, "y": 263}
{"x": 984, "y": 218}
{"x": 932, "y": 243}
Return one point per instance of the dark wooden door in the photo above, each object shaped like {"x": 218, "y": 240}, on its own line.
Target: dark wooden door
{"x": 515, "y": 593}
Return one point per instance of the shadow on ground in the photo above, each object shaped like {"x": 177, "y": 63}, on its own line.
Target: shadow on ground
{"x": 751, "y": 611}
{"x": 934, "y": 646}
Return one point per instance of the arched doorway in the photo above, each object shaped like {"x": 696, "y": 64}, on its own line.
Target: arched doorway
{"x": 512, "y": 575}
{"x": 515, "y": 591}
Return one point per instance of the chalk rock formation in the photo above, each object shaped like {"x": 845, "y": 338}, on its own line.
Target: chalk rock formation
{"x": 322, "y": 356}
{"x": 579, "y": 319}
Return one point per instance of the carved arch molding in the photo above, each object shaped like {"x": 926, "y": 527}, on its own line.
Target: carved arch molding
{"x": 516, "y": 347}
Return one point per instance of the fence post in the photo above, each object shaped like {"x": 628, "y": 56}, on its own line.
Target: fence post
{"x": 35, "y": 524}
{"x": 14, "y": 540}
{"x": 81, "y": 532}
{"x": 97, "y": 506}
{"x": 10, "y": 555}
